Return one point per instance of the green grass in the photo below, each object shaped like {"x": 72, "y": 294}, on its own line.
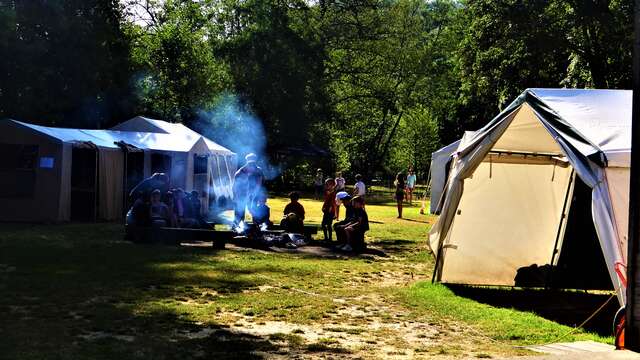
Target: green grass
{"x": 77, "y": 291}
{"x": 498, "y": 324}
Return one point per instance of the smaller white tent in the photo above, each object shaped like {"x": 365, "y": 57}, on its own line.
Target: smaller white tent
{"x": 221, "y": 162}
{"x": 51, "y": 173}
{"x": 509, "y": 191}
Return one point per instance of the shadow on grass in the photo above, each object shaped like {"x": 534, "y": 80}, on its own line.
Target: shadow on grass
{"x": 77, "y": 291}
{"x": 127, "y": 335}
{"x": 569, "y": 308}
{"x": 394, "y": 246}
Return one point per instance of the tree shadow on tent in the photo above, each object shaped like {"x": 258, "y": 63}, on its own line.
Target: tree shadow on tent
{"x": 566, "y": 307}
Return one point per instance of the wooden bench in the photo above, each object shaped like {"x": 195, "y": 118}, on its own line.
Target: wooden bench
{"x": 176, "y": 236}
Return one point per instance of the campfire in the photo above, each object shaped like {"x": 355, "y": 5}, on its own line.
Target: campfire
{"x": 261, "y": 236}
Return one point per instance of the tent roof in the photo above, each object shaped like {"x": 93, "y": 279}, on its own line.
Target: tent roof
{"x": 179, "y": 141}
{"x": 446, "y": 150}
{"x": 601, "y": 116}
{"x": 141, "y": 123}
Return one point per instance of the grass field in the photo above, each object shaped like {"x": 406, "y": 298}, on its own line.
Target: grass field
{"x": 77, "y": 291}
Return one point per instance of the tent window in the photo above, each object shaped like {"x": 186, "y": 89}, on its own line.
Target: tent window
{"x": 17, "y": 170}
{"x": 199, "y": 164}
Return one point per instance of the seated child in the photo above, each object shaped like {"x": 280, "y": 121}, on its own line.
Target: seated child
{"x": 196, "y": 209}
{"x": 261, "y": 212}
{"x": 345, "y": 199}
{"x": 189, "y": 213}
{"x": 139, "y": 212}
{"x": 295, "y": 223}
{"x": 168, "y": 200}
{"x": 158, "y": 211}
{"x": 354, "y": 231}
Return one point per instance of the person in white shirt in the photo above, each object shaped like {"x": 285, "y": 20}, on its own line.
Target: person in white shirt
{"x": 318, "y": 184}
{"x": 360, "y": 189}
{"x": 411, "y": 184}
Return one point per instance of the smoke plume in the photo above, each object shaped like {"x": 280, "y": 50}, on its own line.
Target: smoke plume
{"x": 234, "y": 126}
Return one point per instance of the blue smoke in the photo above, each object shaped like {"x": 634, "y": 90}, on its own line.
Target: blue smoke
{"x": 234, "y": 126}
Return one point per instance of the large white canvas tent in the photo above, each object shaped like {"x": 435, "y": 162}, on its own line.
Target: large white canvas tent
{"x": 58, "y": 174}
{"x": 512, "y": 188}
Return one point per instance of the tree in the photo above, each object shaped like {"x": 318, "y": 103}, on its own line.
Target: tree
{"x": 600, "y": 39}
{"x": 384, "y": 60}
{"x": 179, "y": 74}
{"x": 64, "y": 63}
{"x": 277, "y": 64}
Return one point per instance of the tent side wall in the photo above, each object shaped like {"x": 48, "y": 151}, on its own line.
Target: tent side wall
{"x": 111, "y": 174}
{"x": 507, "y": 220}
{"x": 43, "y": 200}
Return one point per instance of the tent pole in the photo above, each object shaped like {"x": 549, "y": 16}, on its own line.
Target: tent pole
{"x": 632, "y": 330}
{"x": 435, "y": 268}
{"x": 563, "y": 221}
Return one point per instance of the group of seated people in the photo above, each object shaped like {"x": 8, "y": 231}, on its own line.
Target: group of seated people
{"x": 349, "y": 232}
{"x": 174, "y": 208}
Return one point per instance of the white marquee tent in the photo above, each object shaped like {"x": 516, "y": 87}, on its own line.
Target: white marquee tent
{"x": 48, "y": 174}
{"x": 505, "y": 203}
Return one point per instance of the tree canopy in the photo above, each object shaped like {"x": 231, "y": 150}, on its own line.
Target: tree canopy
{"x": 378, "y": 84}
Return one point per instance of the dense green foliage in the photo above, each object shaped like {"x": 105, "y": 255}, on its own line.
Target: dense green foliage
{"x": 378, "y": 83}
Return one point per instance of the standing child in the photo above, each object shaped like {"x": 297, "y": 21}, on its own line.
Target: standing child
{"x": 359, "y": 189}
{"x": 340, "y": 185}
{"x": 411, "y": 184}
{"x": 317, "y": 184}
{"x": 399, "y": 194}
{"x": 328, "y": 208}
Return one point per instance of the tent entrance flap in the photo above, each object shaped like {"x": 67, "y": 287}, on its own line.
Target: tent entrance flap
{"x": 507, "y": 220}
{"x": 84, "y": 175}
{"x": 580, "y": 262}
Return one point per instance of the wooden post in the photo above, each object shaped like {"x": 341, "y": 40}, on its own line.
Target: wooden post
{"x": 632, "y": 330}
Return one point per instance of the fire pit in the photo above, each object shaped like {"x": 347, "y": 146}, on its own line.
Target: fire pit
{"x": 253, "y": 236}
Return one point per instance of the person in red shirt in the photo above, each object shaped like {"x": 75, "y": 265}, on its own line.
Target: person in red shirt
{"x": 328, "y": 208}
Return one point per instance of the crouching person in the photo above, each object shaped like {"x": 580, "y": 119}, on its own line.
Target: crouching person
{"x": 261, "y": 213}
{"x": 293, "y": 220}
{"x": 355, "y": 229}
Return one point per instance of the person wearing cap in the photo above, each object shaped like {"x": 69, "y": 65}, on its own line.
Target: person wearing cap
{"x": 247, "y": 184}
{"x": 339, "y": 226}
{"x": 354, "y": 231}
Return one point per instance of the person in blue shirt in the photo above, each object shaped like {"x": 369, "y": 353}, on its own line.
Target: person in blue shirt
{"x": 260, "y": 212}
{"x": 411, "y": 184}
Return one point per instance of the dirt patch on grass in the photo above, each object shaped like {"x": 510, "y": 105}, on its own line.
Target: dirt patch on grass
{"x": 366, "y": 323}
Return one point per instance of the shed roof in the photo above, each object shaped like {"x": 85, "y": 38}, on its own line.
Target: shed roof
{"x": 164, "y": 137}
